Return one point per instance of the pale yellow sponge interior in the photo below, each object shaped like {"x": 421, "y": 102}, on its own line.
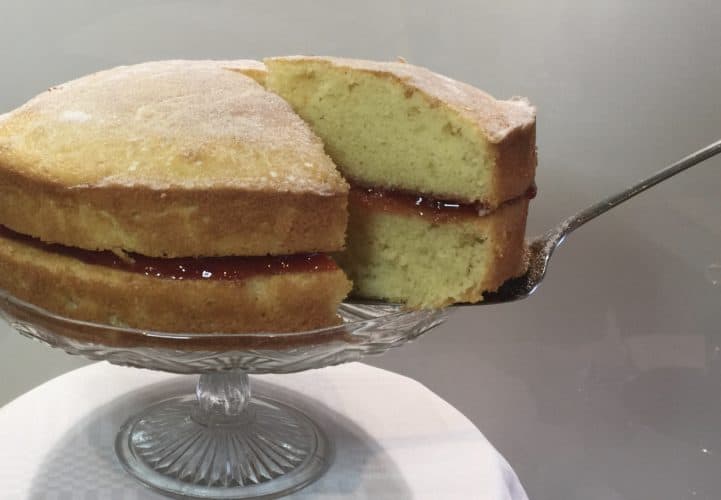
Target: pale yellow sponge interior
{"x": 382, "y": 132}
{"x": 410, "y": 260}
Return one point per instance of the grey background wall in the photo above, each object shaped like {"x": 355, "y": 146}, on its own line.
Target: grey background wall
{"x": 605, "y": 384}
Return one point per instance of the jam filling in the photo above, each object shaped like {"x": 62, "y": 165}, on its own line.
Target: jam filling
{"x": 187, "y": 268}
{"x": 395, "y": 201}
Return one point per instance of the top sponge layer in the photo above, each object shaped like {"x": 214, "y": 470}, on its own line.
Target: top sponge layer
{"x": 170, "y": 158}
{"x": 401, "y": 126}
{"x": 170, "y": 123}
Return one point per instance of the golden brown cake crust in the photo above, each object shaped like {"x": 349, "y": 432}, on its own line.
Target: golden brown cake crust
{"x": 507, "y": 227}
{"x": 515, "y": 165}
{"x": 64, "y": 285}
{"x": 184, "y": 223}
{"x": 509, "y": 126}
{"x": 172, "y": 158}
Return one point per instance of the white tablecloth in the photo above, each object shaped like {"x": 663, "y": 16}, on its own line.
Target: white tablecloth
{"x": 394, "y": 438}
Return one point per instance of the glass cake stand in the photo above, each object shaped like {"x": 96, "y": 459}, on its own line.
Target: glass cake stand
{"x": 220, "y": 442}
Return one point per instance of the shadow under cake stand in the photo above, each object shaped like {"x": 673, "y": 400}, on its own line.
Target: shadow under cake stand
{"x": 221, "y": 442}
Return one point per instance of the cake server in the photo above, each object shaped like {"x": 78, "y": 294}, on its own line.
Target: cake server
{"x": 541, "y": 248}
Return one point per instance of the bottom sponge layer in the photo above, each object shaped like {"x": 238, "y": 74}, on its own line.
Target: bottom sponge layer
{"x": 423, "y": 262}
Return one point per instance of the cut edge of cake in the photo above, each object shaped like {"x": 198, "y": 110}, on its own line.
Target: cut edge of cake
{"x": 442, "y": 124}
{"x": 404, "y": 254}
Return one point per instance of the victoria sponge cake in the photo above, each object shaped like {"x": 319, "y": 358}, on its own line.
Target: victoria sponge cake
{"x": 441, "y": 174}
{"x": 175, "y": 195}
{"x": 217, "y": 196}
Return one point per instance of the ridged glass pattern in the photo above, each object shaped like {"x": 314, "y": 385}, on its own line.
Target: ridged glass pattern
{"x": 366, "y": 329}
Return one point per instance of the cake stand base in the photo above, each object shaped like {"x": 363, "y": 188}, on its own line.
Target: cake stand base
{"x": 221, "y": 443}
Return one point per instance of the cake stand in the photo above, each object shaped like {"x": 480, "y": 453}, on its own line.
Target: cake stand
{"x": 221, "y": 442}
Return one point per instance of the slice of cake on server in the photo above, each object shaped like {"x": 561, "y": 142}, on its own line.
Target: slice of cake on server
{"x": 441, "y": 175}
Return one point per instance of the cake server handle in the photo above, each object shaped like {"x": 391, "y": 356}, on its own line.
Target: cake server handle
{"x": 603, "y": 206}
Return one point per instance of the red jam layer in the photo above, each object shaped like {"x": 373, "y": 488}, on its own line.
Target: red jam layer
{"x": 399, "y": 201}
{"x": 187, "y": 268}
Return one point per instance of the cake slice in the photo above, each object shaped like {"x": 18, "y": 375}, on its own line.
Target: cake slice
{"x": 175, "y": 195}
{"x": 441, "y": 174}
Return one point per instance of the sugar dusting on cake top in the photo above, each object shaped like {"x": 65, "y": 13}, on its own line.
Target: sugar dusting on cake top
{"x": 190, "y": 124}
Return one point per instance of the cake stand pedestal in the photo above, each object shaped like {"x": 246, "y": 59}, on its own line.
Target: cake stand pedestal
{"x": 223, "y": 443}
